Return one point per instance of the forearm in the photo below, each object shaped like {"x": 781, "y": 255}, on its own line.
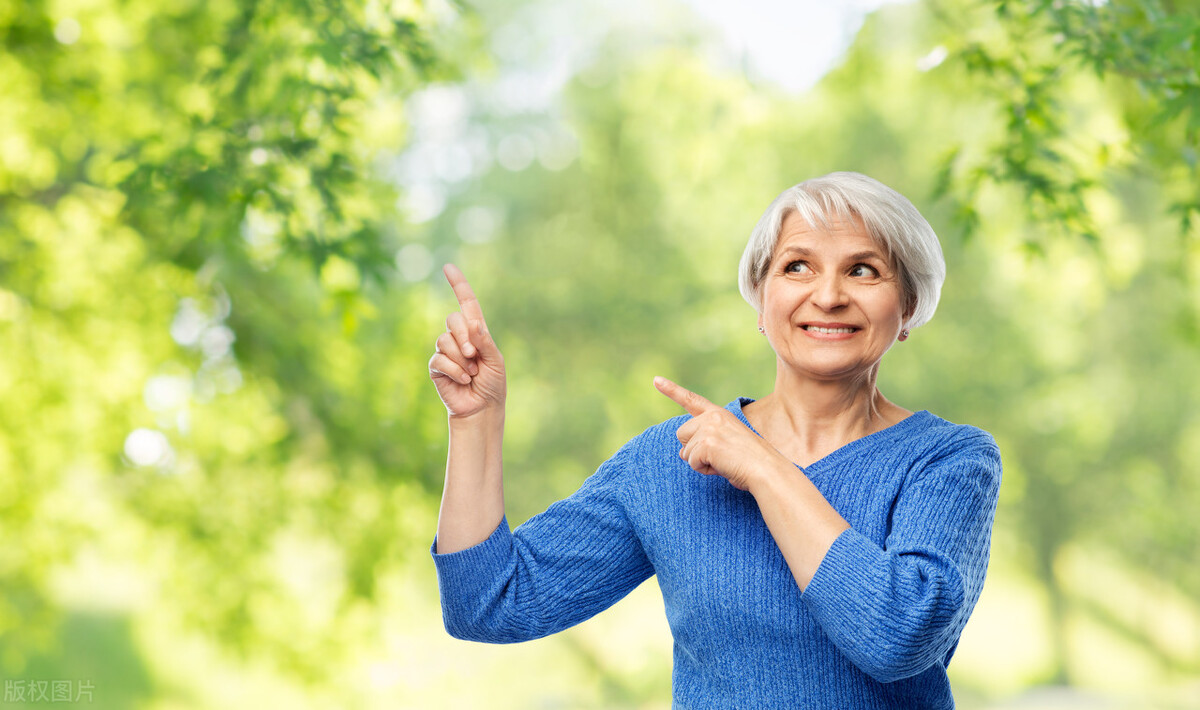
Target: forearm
{"x": 895, "y": 606}
{"x": 801, "y": 521}
{"x": 473, "y": 493}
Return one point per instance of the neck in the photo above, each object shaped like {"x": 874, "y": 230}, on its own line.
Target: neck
{"x": 819, "y": 416}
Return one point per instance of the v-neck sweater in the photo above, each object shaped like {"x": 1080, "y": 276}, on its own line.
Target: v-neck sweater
{"x": 875, "y": 628}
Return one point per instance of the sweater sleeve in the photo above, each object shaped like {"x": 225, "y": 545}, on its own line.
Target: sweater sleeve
{"x": 896, "y": 611}
{"x": 559, "y": 568}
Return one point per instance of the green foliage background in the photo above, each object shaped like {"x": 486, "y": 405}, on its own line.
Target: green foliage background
{"x": 220, "y": 227}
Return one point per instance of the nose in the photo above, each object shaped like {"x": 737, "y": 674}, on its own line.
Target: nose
{"x": 829, "y": 292}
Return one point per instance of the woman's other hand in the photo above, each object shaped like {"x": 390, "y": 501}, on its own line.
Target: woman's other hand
{"x": 466, "y": 366}
{"x": 715, "y": 441}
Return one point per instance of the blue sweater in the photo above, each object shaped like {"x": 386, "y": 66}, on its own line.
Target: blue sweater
{"x": 874, "y": 629}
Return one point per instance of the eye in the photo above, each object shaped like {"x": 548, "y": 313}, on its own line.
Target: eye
{"x": 863, "y": 270}
{"x": 798, "y": 267}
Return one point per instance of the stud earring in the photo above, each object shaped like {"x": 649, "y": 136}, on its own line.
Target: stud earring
{"x": 904, "y": 334}
{"x": 760, "y": 329}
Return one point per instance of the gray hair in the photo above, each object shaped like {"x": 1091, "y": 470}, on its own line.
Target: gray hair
{"x": 891, "y": 220}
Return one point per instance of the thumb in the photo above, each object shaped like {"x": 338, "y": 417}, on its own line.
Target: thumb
{"x": 693, "y": 403}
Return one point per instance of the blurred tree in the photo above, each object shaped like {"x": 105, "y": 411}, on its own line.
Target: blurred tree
{"x": 1098, "y": 105}
{"x": 1026, "y": 53}
{"x": 175, "y": 178}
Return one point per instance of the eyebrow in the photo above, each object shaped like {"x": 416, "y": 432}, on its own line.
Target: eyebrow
{"x": 858, "y": 256}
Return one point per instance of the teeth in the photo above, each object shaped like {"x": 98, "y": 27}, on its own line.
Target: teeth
{"x": 819, "y": 329}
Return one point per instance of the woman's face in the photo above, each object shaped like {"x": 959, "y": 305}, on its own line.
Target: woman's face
{"x": 832, "y": 302}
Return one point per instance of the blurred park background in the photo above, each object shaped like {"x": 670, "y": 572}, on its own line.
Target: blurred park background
{"x": 221, "y": 227}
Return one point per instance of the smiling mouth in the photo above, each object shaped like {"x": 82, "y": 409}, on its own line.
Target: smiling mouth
{"x": 819, "y": 329}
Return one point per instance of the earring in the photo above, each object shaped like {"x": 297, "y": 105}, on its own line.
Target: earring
{"x": 760, "y": 329}
{"x": 904, "y": 334}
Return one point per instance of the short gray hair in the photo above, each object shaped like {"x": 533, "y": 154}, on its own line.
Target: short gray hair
{"x": 891, "y": 220}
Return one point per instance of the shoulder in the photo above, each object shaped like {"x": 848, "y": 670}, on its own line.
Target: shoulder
{"x": 637, "y": 475}
{"x": 655, "y": 439}
{"x": 946, "y": 438}
{"x": 641, "y": 451}
{"x": 957, "y": 450}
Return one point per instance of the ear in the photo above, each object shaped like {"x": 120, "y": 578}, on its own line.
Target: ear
{"x": 909, "y": 309}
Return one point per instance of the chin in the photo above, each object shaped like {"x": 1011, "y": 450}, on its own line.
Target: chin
{"x": 831, "y": 371}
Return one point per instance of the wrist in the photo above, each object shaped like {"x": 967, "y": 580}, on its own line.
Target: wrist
{"x": 491, "y": 415}
{"x": 767, "y": 477}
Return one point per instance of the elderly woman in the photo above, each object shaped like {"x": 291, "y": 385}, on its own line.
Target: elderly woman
{"x": 836, "y": 544}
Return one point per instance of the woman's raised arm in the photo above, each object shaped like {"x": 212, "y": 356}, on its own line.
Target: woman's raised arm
{"x": 468, "y": 371}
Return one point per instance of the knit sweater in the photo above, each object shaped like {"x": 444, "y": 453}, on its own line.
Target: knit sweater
{"x": 875, "y": 628}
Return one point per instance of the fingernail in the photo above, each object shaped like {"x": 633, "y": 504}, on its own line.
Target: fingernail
{"x": 658, "y": 380}
{"x": 473, "y": 369}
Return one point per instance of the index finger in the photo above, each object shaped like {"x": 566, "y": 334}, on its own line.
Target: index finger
{"x": 467, "y": 301}
{"x": 689, "y": 400}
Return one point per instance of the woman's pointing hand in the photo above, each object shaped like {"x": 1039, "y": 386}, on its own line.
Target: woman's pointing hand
{"x": 466, "y": 366}
{"x": 717, "y": 442}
